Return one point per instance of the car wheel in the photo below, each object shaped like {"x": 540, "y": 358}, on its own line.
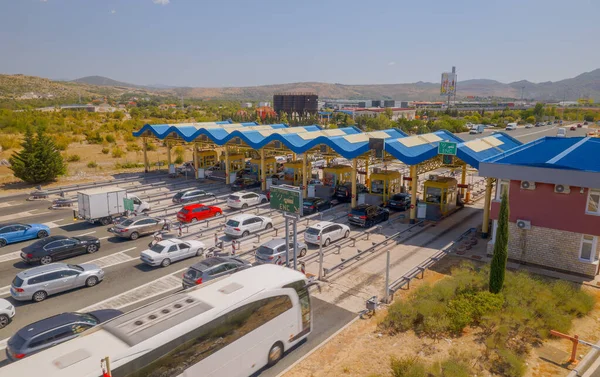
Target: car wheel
{"x": 369, "y": 224}
{"x": 263, "y": 201}
{"x": 134, "y": 236}
{"x": 91, "y": 281}
{"x": 245, "y": 234}
{"x": 2, "y": 242}
{"x": 218, "y": 214}
{"x": 302, "y": 253}
{"x": 326, "y": 242}
{"x": 200, "y": 252}
{"x": 347, "y": 234}
{"x": 275, "y": 354}
{"x": 47, "y": 259}
{"x": 92, "y": 249}
{"x": 268, "y": 226}
{"x": 194, "y": 220}
{"x": 386, "y": 217}
{"x": 244, "y": 206}
{"x": 4, "y": 320}
{"x": 166, "y": 262}
{"x": 42, "y": 234}
{"x": 39, "y": 296}
{"x": 105, "y": 220}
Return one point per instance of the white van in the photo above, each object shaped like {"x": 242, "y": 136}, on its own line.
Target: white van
{"x": 561, "y": 132}
{"x": 511, "y": 126}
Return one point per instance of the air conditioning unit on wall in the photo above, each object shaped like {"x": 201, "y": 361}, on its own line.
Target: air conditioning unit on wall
{"x": 562, "y": 189}
{"x": 527, "y": 185}
{"x": 523, "y": 224}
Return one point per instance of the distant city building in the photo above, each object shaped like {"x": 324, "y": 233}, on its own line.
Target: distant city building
{"x": 247, "y": 105}
{"x": 265, "y": 111}
{"x": 264, "y": 104}
{"x": 404, "y": 104}
{"x": 376, "y": 103}
{"x": 362, "y": 104}
{"x": 296, "y": 103}
{"x": 373, "y": 112}
{"x": 389, "y": 103}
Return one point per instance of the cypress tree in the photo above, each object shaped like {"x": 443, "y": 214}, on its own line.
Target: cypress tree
{"x": 39, "y": 161}
{"x": 500, "y": 257}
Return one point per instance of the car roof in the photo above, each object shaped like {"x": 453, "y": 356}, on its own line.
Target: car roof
{"x": 208, "y": 263}
{"x": 8, "y": 224}
{"x": 51, "y": 238}
{"x": 170, "y": 241}
{"x": 34, "y": 271}
{"x": 321, "y": 224}
{"x": 243, "y": 216}
{"x": 36, "y": 328}
{"x": 195, "y": 205}
{"x": 362, "y": 206}
{"x": 276, "y": 242}
{"x": 311, "y": 198}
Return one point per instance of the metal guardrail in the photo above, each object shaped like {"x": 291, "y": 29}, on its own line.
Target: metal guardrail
{"x": 405, "y": 279}
{"x": 372, "y": 249}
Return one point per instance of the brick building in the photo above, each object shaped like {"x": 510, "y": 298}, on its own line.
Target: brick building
{"x": 553, "y": 186}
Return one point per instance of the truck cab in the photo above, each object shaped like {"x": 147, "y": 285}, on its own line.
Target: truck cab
{"x": 139, "y": 205}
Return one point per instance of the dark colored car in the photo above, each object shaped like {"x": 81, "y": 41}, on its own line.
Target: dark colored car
{"x": 367, "y": 215}
{"x": 579, "y": 125}
{"x": 399, "y": 202}
{"x": 573, "y": 128}
{"x": 538, "y": 124}
{"x": 343, "y": 192}
{"x": 54, "y": 330}
{"x": 192, "y": 196}
{"x": 585, "y": 123}
{"x": 212, "y": 268}
{"x": 313, "y": 205}
{"x": 53, "y": 248}
{"x": 244, "y": 184}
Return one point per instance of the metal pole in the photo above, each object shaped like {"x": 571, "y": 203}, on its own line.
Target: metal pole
{"x": 295, "y": 242}
{"x": 320, "y": 257}
{"x": 387, "y": 277}
{"x": 287, "y": 242}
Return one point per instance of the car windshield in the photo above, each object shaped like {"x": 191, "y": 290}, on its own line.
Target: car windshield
{"x": 307, "y": 203}
{"x": 313, "y": 231}
{"x": 398, "y": 197}
{"x": 158, "y": 248}
{"x": 233, "y": 223}
{"x": 75, "y": 267}
{"x": 178, "y": 195}
{"x": 87, "y": 318}
{"x": 127, "y": 222}
{"x": 358, "y": 211}
{"x": 184, "y": 211}
{"x": 17, "y": 282}
{"x": 193, "y": 273}
{"x": 233, "y": 197}
{"x": 265, "y": 250}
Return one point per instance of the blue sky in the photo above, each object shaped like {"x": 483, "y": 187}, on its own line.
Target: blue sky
{"x": 253, "y": 42}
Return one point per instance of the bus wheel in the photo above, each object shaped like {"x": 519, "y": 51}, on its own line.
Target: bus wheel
{"x": 275, "y": 353}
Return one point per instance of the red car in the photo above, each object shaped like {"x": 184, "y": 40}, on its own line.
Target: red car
{"x": 194, "y": 212}
{"x": 573, "y": 128}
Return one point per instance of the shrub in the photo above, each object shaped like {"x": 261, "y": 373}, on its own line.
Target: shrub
{"x": 62, "y": 142}
{"x": 179, "y": 160}
{"x": 94, "y": 138}
{"x": 110, "y": 139}
{"x": 129, "y": 165}
{"x": 407, "y": 367}
{"x": 150, "y": 147}
{"x": 105, "y": 150}
{"x": 455, "y": 368}
{"x": 117, "y": 152}
{"x": 179, "y": 152}
{"x": 73, "y": 158}
{"x": 128, "y": 137}
{"x": 92, "y": 164}
{"x": 133, "y": 147}
{"x": 508, "y": 364}
{"x": 9, "y": 142}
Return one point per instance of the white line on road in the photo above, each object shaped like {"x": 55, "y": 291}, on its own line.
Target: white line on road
{"x": 10, "y": 256}
{"x": 103, "y": 238}
{"x": 19, "y": 215}
{"x": 85, "y": 234}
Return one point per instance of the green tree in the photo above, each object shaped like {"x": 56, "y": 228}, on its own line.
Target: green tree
{"x": 39, "y": 161}
{"x": 530, "y": 119}
{"x": 538, "y": 110}
{"x": 500, "y": 257}
{"x": 283, "y": 118}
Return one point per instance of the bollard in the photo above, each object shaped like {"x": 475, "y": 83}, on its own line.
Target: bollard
{"x": 232, "y": 247}
{"x": 179, "y": 232}
{"x": 216, "y": 239}
{"x": 302, "y": 268}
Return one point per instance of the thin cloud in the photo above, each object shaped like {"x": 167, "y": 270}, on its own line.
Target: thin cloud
{"x": 392, "y": 63}
{"x": 43, "y": 1}
{"x": 161, "y": 2}
{"x": 113, "y": 11}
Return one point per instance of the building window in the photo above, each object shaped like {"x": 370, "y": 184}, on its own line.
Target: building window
{"x": 502, "y": 188}
{"x": 593, "y": 202}
{"x": 587, "y": 251}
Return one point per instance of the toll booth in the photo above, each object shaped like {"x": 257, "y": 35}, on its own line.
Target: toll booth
{"x": 292, "y": 172}
{"x": 236, "y": 162}
{"x": 440, "y": 194}
{"x": 270, "y": 166}
{"x": 206, "y": 159}
{"x": 385, "y": 183}
{"x": 336, "y": 174}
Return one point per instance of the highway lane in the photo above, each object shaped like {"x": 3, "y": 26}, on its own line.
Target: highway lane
{"x": 526, "y": 135}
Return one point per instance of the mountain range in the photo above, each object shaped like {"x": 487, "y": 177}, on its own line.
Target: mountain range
{"x": 584, "y": 85}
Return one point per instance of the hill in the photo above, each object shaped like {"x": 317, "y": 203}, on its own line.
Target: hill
{"x": 585, "y": 84}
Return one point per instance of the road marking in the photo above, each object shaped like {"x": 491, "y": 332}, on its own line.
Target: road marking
{"x": 10, "y": 256}
{"x": 51, "y": 224}
{"x": 85, "y": 234}
{"x": 114, "y": 259}
{"x": 143, "y": 292}
{"x": 103, "y": 238}
{"x": 19, "y": 215}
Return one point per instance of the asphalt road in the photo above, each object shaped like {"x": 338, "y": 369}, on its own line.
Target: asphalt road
{"x": 526, "y": 135}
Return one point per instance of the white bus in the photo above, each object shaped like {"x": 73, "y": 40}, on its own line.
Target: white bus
{"x": 232, "y": 326}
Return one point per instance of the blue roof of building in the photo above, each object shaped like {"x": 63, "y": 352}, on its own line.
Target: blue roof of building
{"x": 474, "y": 151}
{"x": 348, "y": 142}
{"x": 572, "y": 153}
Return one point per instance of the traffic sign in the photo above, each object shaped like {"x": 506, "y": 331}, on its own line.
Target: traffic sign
{"x": 447, "y": 147}
{"x": 286, "y": 199}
